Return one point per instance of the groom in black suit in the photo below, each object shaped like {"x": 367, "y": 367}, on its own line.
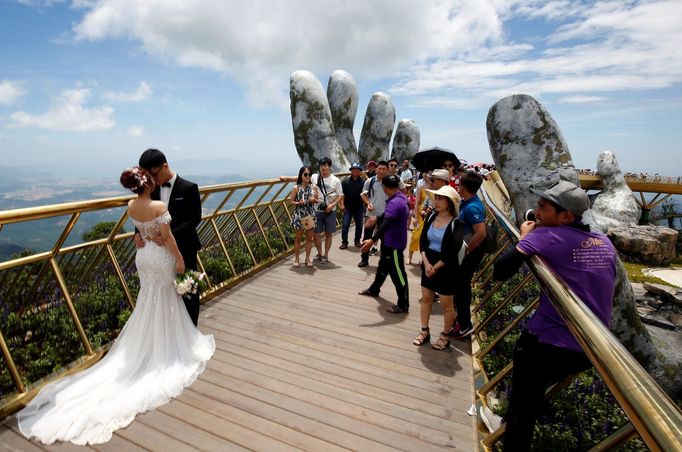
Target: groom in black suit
{"x": 184, "y": 205}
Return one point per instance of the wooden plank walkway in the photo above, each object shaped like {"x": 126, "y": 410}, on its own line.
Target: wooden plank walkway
{"x": 304, "y": 363}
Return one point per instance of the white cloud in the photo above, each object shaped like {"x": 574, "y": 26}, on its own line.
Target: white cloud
{"x": 10, "y": 92}
{"x": 580, "y": 99}
{"x": 68, "y": 112}
{"x": 135, "y": 131}
{"x": 605, "y": 47}
{"x": 141, "y": 93}
{"x": 259, "y": 43}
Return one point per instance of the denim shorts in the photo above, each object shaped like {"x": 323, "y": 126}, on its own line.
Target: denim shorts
{"x": 325, "y": 221}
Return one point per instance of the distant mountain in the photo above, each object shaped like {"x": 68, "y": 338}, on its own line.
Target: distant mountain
{"x": 6, "y": 250}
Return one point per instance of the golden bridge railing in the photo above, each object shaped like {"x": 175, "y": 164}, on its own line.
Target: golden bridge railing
{"x": 502, "y": 308}
{"x": 63, "y": 305}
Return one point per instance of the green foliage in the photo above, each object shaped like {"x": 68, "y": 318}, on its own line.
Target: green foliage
{"x": 100, "y": 231}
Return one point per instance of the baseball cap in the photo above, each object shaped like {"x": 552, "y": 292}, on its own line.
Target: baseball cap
{"x": 355, "y": 165}
{"x": 566, "y": 195}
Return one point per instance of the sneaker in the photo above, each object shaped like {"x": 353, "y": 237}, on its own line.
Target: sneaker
{"x": 343, "y": 246}
{"x": 491, "y": 420}
{"x": 464, "y": 332}
{"x": 317, "y": 258}
{"x": 324, "y": 260}
{"x": 363, "y": 264}
{"x": 454, "y": 331}
{"x": 373, "y": 251}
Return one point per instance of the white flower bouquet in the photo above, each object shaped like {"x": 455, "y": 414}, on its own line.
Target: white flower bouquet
{"x": 189, "y": 283}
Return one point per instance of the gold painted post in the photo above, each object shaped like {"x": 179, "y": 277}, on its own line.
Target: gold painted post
{"x": 121, "y": 278}
{"x": 71, "y": 307}
{"x": 11, "y": 366}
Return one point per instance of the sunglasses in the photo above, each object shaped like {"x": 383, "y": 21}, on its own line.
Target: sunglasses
{"x": 393, "y": 165}
{"x": 306, "y": 174}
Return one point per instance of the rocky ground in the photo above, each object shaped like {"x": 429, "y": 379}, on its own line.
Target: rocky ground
{"x": 660, "y": 307}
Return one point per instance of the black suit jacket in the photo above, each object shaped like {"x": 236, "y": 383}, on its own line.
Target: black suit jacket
{"x": 184, "y": 207}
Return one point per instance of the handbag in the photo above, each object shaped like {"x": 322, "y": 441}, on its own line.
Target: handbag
{"x": 308, "y": 222}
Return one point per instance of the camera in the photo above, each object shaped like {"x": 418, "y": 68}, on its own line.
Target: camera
{"x": 322, "y": 206}
{"x": 530, "y": 215}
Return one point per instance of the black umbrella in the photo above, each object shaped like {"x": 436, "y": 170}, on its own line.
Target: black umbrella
{"x": 432, "y": 158}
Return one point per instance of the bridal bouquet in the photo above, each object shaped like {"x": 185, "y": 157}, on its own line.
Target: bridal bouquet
{"x": 188, "y": 283}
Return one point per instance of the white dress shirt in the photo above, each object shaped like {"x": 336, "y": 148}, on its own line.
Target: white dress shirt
{"x": 165, "y": 192}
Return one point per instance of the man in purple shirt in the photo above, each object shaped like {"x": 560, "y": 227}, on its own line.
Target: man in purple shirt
{"x": 586, "y": 261}
{"x": 393, "y": 235}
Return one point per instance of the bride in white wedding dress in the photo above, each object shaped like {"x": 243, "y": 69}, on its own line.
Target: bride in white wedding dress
{"x": 158, "y": 353}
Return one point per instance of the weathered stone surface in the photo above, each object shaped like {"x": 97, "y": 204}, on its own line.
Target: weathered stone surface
{"x": 342, "y": 94}
{"x": 647, "y": 244}
{"x": 311, "y": 118}
{"x": 616, "y": 204}
{"x": 528, "y": 149}
{"x": 405, "y": 140}
{"x": 377, "y": 129}
{"x": 670, "y": 294}
{"x": 676, "y": 319}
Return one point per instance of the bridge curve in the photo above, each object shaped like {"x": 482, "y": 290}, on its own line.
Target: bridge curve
{"x": 304, "y": 363}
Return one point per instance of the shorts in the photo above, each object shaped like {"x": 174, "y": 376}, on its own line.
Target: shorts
{"x": 443, "y": 282}
{"x": 325, "y": 221}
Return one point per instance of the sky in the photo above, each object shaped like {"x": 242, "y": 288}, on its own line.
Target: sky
{"x": 86, "y": 85}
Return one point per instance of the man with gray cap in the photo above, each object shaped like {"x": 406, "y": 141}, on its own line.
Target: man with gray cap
{"x": 547, "y": 352}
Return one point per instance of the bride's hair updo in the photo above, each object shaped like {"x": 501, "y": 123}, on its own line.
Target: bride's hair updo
{"x": 136, "y": 179}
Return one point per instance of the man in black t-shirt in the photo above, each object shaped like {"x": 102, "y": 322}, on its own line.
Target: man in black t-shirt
{"x": 352, "y": 205}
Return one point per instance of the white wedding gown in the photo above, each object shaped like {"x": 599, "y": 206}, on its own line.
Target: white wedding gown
{"x": 158, "y": 353}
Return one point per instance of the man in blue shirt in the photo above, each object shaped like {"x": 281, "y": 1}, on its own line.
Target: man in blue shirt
{"x": 393, "y": 235}
{"x": 472, "y": 213}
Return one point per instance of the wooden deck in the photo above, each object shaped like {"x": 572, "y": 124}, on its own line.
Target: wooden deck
{"x": 304, "y": 363}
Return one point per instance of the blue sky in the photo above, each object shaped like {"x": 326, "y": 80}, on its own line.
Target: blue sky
{"x": 86, "y": 86}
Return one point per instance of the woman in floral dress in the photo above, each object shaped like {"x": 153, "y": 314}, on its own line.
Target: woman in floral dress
{"x": 304, "y": 197}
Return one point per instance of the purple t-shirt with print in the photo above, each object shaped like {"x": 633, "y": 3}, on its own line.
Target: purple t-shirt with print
{"x": 397, "y": 209}
{"x": 586, "y": 261}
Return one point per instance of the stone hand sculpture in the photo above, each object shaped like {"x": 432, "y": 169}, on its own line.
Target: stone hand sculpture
{"x": 529, "y": 150}
{"x": 323, "y": 124}
{"x": 615, "y": 205}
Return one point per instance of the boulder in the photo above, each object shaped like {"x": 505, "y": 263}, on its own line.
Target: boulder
{"x": 667, "y": 293}
{"x": 311, "y": 119}
{"x": 377, "y": 129}
{"x": 342, "y": 94}
{"x": 647, "y": 244}
{"x": 405, "y": 140}
{"x": 616, "y": 204}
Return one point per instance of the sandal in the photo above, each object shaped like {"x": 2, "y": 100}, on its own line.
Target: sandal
{"x": 395, "y": 309}
{"x": 423, "y": 337}
{"x": 308, "y": 263}
{"x": 296, "y": 264}
{"x": 442, "y": 343}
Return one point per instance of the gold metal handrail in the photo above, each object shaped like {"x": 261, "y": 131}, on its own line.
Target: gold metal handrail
{"x": 235, "y": 216}
{"x": 652, "y": 413}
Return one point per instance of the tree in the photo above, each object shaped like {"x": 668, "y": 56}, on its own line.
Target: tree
{"x": 100, "y": 231}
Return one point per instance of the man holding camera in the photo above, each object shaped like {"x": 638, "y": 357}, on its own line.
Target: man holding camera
{"x": 547, "y": 352}
{"x": 331, "y": 193}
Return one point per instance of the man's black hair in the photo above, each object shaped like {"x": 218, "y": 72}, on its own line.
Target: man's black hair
{"x": 391, "y": 181}
{"x": 393, "y": 160}
{"x": 382, "y": 162}
{"x": 325, "y": 161}
{"x": 152, "y": 158}
{"x": 471, "y": 181}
